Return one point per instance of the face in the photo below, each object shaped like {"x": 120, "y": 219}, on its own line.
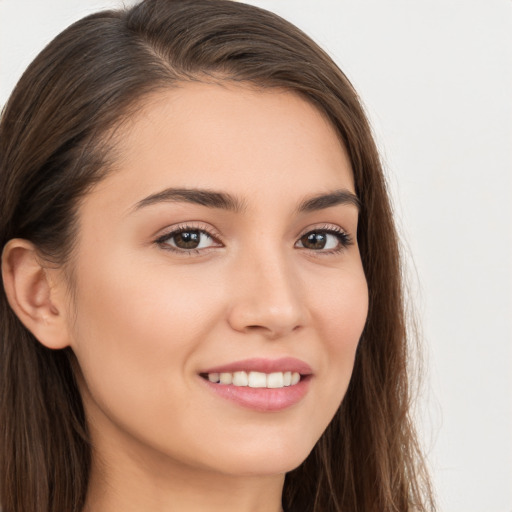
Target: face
{"x": 222, "y": 246}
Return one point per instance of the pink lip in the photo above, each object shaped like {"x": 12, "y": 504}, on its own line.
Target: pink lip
{"x": 262, "y": 399}
{"x": 284, "y": 364}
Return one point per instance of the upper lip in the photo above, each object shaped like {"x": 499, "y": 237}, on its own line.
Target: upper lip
{"x": 283, "y": 364}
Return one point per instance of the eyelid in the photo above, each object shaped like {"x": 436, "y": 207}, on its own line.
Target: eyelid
{"x": 168, "y": 232}
{"x": 323, "y": 227}
{"x": 328, "y": 228}
{"x": 344, "y": 237}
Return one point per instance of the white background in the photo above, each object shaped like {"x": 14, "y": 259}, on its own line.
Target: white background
{"x": 436, "y": 78}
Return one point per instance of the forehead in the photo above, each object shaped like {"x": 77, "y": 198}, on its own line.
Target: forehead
{"x": 255, "y": 142}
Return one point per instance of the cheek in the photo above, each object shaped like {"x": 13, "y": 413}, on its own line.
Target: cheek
{"x": 341, "y": 316}
{"x": 135, "y": 332}
{"x": 128, "y": 308}
{"x": 342, "y": 309}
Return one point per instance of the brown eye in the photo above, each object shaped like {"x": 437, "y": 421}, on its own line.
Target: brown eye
{"x": 187, "y": 240}
{"x": 324, "y": 240}
{"x": 314, "y": 241}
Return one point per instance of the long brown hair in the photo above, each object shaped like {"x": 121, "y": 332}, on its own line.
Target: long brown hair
{"x": 52, "y": 150}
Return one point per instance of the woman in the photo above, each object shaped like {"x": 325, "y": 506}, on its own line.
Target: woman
{"x": 202, "y": 305}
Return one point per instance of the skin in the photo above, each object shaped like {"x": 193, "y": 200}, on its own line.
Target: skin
{"x": 144, "y": 320}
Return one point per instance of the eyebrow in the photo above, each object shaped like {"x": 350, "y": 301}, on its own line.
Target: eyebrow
{"x": 226, "y": 201}
{"x": 323, "y": 201}
{"x": 208, "y": 198}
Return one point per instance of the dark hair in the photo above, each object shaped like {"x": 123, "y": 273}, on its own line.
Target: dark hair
{"x": 53, "y": 149}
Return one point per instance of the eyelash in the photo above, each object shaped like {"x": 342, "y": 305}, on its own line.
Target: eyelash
{"x": 162, "y": 240}
{"x": 344, "y": 239}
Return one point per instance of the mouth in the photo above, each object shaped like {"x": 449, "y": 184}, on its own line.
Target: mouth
{"x": 253, "y": 379}
{"x": 260, "y": 384}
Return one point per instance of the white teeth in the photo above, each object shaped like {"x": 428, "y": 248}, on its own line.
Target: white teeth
{"x": 256, "y": 379}
{"x": 240, "y": 379}
{"x": 226, "y": 378}
{"x": 275, "y": 380}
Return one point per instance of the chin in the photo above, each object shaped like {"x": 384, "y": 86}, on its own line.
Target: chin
{"x": 268, "y": 457}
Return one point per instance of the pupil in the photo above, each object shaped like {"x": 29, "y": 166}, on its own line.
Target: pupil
{"x": 187, "y": 239}
{"x": 314, "y": 240}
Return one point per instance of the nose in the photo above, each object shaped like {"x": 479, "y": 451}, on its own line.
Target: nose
{"x": 266, "y": 297}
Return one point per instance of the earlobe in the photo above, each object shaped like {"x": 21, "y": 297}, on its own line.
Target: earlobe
{"x": 32, "y": 295}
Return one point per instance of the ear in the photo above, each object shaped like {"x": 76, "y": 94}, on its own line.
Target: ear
{"x": 35, "y": 299}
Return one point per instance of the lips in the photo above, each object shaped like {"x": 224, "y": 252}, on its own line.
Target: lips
{"x": 284, "y": 364}
{"x": 260, "y": 384}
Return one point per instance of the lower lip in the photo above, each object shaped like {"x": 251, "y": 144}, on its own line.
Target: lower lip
{"x": 262, "y": 399}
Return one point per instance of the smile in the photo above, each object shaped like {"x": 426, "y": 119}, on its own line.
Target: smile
{"x": 264, "y": 385}
{"x": 253, "y": 379}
